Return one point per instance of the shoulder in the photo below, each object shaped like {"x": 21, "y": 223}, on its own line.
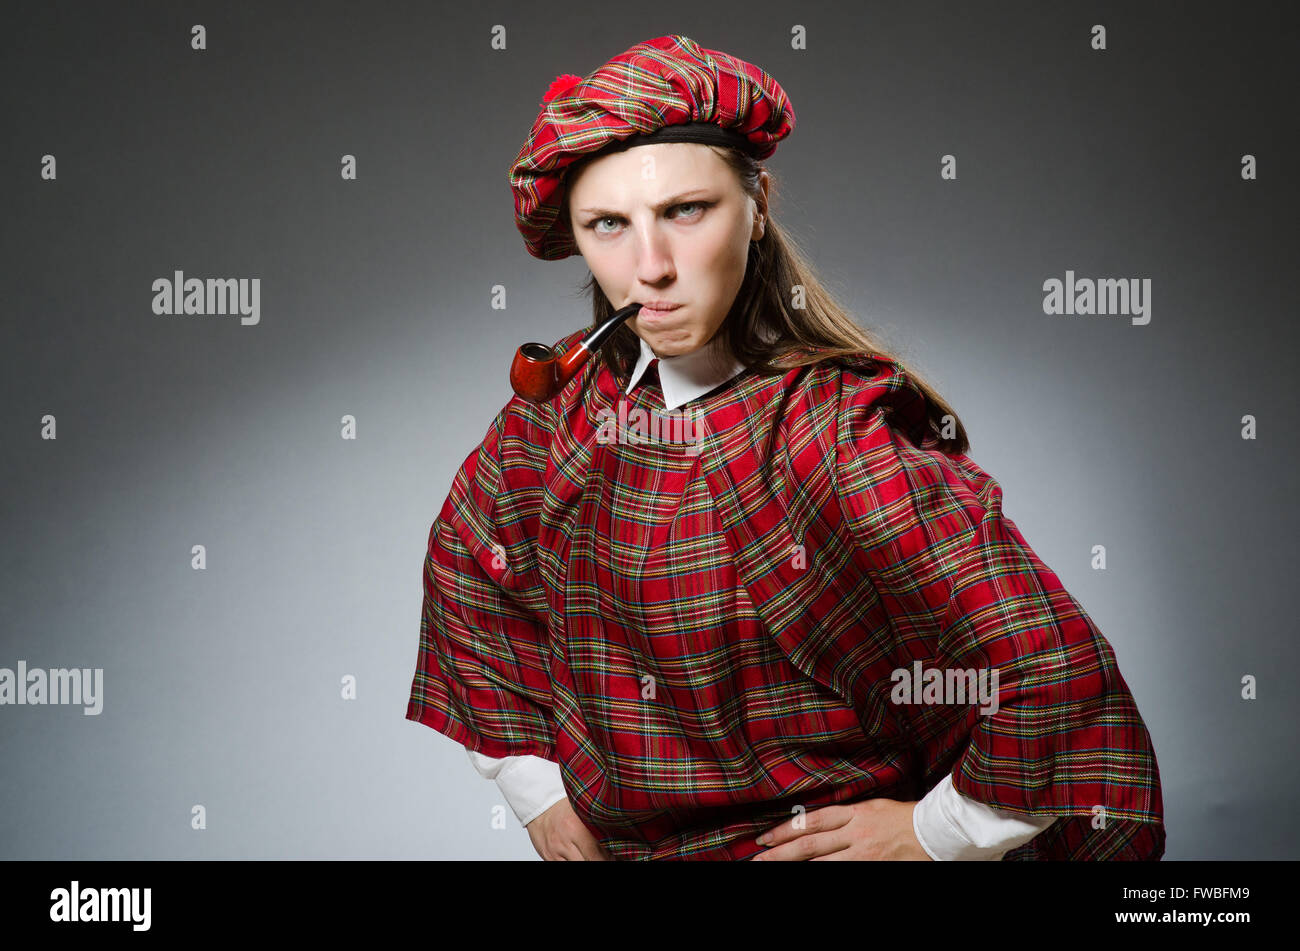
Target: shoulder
{"x": 879, "y": 390}
{"x": 857, "y": 392}
{"x": 870, "y": 422}
{"x": 887, "y": 449}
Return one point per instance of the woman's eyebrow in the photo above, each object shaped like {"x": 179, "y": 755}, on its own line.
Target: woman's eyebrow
{"x": 668, "y": 202}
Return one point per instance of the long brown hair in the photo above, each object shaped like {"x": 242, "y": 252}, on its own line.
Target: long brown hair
{"x": 764, "y": 330}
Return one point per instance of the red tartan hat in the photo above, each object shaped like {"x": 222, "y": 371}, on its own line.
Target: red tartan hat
{"x": 668, "y": 89}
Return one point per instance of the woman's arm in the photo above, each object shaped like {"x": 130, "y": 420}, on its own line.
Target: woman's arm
{"x": 530, "y": 784}
{"x": 533, "y": 787}
{"x": 483, "y": 670}
{"x": 954, "y": 588}
{"x": 953, "y": 827}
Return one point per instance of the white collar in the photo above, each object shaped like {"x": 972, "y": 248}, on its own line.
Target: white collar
{"x": 689, "y": 375}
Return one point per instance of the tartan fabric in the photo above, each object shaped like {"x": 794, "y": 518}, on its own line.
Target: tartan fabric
{"x": 669, "y": 80}
{"x": 563, "y": 572}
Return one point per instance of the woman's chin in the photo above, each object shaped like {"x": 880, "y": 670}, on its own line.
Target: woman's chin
{"x": 672, "y": 349}
{"x": 668, "y": 343}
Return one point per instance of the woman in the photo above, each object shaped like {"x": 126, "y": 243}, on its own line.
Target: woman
{"x": 666, "y": 646}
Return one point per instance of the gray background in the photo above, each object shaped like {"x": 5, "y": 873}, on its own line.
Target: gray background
{"x": 222, "y": 686}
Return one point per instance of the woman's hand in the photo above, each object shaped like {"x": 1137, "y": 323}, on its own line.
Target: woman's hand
{"x": 559, "y": 836}
{"x": 874, "y": 829}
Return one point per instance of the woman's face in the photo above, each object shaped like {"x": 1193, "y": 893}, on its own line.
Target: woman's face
{"x": 667, "y": 222}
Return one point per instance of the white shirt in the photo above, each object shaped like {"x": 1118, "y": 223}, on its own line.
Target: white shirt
{"x": 948, "y": 825}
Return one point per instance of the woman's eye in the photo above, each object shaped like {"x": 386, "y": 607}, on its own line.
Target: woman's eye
{"x": 595, "y": 223}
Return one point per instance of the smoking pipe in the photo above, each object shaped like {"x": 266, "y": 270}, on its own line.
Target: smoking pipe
{"x": 539, "y": 373}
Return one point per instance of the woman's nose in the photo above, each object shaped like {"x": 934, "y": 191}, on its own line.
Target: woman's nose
{"x": 654, "y": 261}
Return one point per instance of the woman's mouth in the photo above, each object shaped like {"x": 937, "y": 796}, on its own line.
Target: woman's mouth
{"x": 658, "y": 313}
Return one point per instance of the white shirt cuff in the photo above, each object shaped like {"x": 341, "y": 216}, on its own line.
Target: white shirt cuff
{"x": 531, "y": 784}
{"x": 953, "y": 827}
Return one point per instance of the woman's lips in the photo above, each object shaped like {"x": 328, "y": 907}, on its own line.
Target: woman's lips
{"x": 657, "y": 316}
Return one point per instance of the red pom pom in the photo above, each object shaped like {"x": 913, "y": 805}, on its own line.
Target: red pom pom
{"x": 560, "y": 85}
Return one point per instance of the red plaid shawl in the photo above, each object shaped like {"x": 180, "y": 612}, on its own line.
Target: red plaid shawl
{"x": 640, "y": 615}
